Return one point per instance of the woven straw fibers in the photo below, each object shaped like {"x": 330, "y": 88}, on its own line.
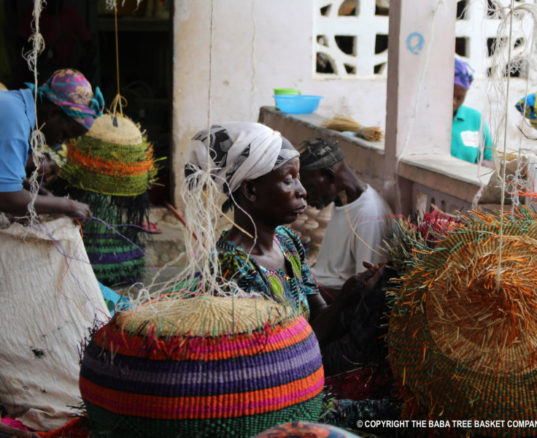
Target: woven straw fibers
{"x": 111, "y": 160}
{"x": 125, "y": 133}
{"x": 203, "y": 314}
{"x": 201, "y": 367}
{"x": 489, "y": 331}
{"x": 464, "y": 347}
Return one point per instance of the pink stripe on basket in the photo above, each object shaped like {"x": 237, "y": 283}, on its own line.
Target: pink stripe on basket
{"x": 255, "y": 343}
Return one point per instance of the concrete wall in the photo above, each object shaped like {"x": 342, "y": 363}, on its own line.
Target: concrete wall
{"x": 256, "y": 46}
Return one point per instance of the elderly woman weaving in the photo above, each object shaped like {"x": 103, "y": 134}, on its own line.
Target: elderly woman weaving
{"x": 258, "y": 170}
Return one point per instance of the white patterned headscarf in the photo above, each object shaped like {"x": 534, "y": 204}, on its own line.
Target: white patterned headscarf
{"x": 238, "y": 151}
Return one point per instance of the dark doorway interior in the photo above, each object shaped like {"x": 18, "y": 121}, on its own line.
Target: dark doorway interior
{"x": 80, "y": 34}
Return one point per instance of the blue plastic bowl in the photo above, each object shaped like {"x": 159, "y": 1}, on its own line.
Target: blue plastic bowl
{"x": 297, "y": 104}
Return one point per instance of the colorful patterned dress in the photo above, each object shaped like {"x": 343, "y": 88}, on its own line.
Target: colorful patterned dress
{"x": 290, "y": 286}
{"x": 294, "y": 289}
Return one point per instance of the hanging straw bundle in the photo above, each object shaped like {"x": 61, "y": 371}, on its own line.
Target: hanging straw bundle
{"x": 114, "y": 248}
{"x": 457, "y": 339}
{"x": 340, "y": 123}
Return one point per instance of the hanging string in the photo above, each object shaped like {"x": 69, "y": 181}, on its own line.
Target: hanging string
{"x": 360, "y": 238}
{"x": 119, "y": 101}
{"x": 37, "y": 138}
{"x": 210, "y": 79}
{"x": 528, "y": 56}
{"x": 518, "y": 58}
{"x": 201, "y": 272}
{"x": 504, "y": 161}
{"x": 253, "y": 85}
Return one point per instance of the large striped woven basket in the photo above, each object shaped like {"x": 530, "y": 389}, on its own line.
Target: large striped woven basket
{"x": 463, "y": 331}
{"x": 201, "y": 367}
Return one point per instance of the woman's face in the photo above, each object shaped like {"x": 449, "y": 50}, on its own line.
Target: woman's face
{"x": 279, "y": 195}
{"x": 459, "y": 94}
{"x": 59, "y": 127}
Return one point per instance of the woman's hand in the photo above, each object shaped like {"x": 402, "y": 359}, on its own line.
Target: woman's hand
{"x": 77, "y": 209}
{"x": 358, "y": 284}
{"x": 48, "y": 169}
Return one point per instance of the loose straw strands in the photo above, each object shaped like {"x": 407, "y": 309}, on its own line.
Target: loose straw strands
{"x": 201, "y": 274}
{"x": 454, "y": 337}
{"x": 340, "y": 123}
{"x": 505, "y": 61}
{"x": 111, "y": 4}
{"x": 37, "y": 138}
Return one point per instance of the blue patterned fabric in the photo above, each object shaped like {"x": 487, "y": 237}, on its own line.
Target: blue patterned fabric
{"x": 463, "y": 74}
{"x": 113, "y": 300}
{"x": 526, "y": 106}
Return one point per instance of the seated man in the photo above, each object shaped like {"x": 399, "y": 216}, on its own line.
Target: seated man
{"x": 359, "y": 221}
{"x": 66, "y": 108}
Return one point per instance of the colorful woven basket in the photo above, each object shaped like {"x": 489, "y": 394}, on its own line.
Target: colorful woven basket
{"x": 113, "y": 158}
{"x": 526, "y": 106}
{"x": 114, "y": 248}
{"x": 300, "y": 429}
{"x": 462, "y": 346}
{"x": 110, "y": 169}
{"x": 201, "y": 367}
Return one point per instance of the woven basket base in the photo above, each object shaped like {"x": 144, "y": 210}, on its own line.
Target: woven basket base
{"x": 107, "y": 424}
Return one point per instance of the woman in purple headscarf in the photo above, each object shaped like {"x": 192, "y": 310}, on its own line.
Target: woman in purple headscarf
{"x": 470, "y": 138}
{"x": 66, "y": 108}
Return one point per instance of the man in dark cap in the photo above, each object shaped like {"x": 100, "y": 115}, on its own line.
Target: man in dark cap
{"x": 360, "y": 218}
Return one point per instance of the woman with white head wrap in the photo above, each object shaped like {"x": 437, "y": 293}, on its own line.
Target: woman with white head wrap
{"x": 239, "y": 151}
{"x": 259, "y": 170}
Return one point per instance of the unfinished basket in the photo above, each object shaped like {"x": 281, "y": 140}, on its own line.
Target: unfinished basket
{"x": 113, "y": 158}
{"x": 464, "y": 346}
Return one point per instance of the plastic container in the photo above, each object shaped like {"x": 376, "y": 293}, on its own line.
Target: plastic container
{"x": 297, "y": 104}
{"x": 286, "y": 91}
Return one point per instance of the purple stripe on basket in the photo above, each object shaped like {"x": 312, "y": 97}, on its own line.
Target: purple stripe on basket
{"x": 115, "y": 257}
{"x": 190, "y": 378}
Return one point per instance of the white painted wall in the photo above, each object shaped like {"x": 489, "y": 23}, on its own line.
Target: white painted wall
{"x": 257, "y": 45}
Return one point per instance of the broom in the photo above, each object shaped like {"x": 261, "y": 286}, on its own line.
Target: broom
{"x": 370, "y": 133}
